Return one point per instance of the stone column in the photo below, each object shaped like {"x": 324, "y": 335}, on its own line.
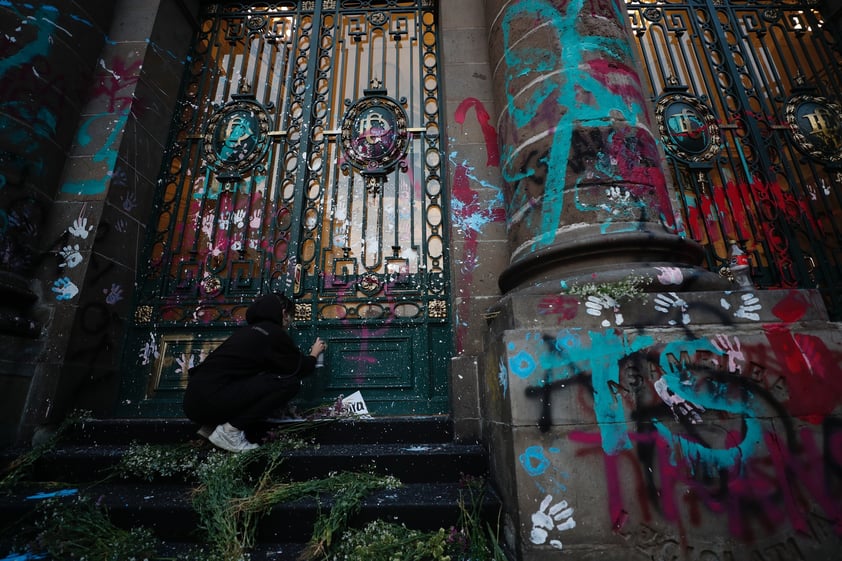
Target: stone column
{"x": 639, "y": 427}
{"x": 586, "y": 193}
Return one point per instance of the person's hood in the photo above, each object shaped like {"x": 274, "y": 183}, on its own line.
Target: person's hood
{"x": 265, "y": 308}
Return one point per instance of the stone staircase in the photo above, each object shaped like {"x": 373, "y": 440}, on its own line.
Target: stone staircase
{"x": 419, "y": 451}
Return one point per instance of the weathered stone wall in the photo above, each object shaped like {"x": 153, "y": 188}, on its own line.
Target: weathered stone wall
{"x": 479, "y": 247}
{"x": 108, "y": 75}
{"x": 48, "y": 56}
{"x": 704, "y": 425}
{"x": 696, "y": 422}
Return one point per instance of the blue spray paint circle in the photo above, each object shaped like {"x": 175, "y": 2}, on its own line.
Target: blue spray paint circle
{"x": 522, "y": 364}
{"x": 534, "y": 461}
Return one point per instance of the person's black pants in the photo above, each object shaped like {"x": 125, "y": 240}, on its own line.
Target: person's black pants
{"x": 241, "y": 402}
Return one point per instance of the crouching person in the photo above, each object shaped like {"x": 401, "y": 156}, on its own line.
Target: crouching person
{"x": 255, "y": 371}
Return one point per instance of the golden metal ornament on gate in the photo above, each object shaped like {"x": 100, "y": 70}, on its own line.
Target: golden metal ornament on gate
{"x": 374, "y": 136}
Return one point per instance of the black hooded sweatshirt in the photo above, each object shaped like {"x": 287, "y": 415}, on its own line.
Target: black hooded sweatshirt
{"x": 260, "y": 346}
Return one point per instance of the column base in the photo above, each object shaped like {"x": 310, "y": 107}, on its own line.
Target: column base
{"x": 676, "y": 423}
{"x": 588, "y": 253}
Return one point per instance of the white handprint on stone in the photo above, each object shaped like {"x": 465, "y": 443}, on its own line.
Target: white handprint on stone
{"x": 558, "y": 517}
{"x": 665, "y": 302}
{"x": 617, "y": 195}
{"x": 596, "y": 304}
{"x": 80, "y": 228}
{"x": 732, "y": 350}
{"x": 71, "y": 256}
{"x": 749, "y": 307}
{"x": 65, "y": 289}
{"x": 254, "y": 221}
{"x": 149, "y": 351}
{"x": 185, "y": 363}
{"x": 207, "y": 224}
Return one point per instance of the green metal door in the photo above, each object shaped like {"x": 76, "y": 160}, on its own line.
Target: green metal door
{"x": 275, "y": 181}
{"x": 747, "y": 103}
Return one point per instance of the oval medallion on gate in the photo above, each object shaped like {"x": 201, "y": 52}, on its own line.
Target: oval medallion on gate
{"x": 236, "y": 138}
{"x": 374, "y": 135}
{"x": 816, "y": 126}
{"x": 688, "y": 128}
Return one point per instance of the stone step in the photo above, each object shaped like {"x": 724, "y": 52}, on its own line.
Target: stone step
{"x": 167, "y": 510}
{"x": 411, "y": 449}
{"x": 420, "y": 452}
{"x": 377, "y": 430}
{"x": 411, "y": 463}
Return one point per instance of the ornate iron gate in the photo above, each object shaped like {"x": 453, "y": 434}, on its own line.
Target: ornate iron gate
{"x": 305, "y": 158}
{"x": 746, "y": 98}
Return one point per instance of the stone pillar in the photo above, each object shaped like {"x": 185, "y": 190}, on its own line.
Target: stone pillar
{"x": 585, "y": 187}
{"x": 671, "y": 423}
{"x": 102, "y": 194}
{"x": 48, "y": 54}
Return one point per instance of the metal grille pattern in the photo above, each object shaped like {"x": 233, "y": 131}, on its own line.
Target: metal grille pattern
{"x": 218, "y": 243}
{"x": 257, "y": 194}
{"x": 300, "y": 221}
{"x": 746, "y": 102}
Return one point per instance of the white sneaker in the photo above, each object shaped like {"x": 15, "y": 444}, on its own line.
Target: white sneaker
{"x": 230, "y": 438}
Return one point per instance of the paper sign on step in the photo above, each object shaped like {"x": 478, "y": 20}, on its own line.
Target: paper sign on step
{"x": 354, "y": 405}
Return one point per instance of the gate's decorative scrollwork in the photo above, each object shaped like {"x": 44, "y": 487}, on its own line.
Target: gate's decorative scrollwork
{"x": 687, "y": 127}
{"x": 374, "y": 135}
{"x": 237, "y": 137}
{"x": 259, "y": 193}
{"x": 816, "y": 125}
{"x": 755, "y": 152}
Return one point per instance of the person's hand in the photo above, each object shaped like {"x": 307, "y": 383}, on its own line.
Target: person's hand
{"x": 318, "y": 347}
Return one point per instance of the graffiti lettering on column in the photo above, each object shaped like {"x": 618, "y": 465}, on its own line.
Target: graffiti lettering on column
{"x": 543, "y": 84}
{"x": 117, "y": 79}
{"x": 660, "y": 546}
{"x": 27, "y": 73}
{"x": 562, "y": 362}
{"x": 628, "y": 165}
{"x": 107, "y": 152}
{"x": 741, "y": 428}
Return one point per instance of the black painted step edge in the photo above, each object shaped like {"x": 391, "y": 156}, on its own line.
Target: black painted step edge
{"x": 408, "y": 462}
{"x": 415, "y": 429}
{"x": 167, "y": 510}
